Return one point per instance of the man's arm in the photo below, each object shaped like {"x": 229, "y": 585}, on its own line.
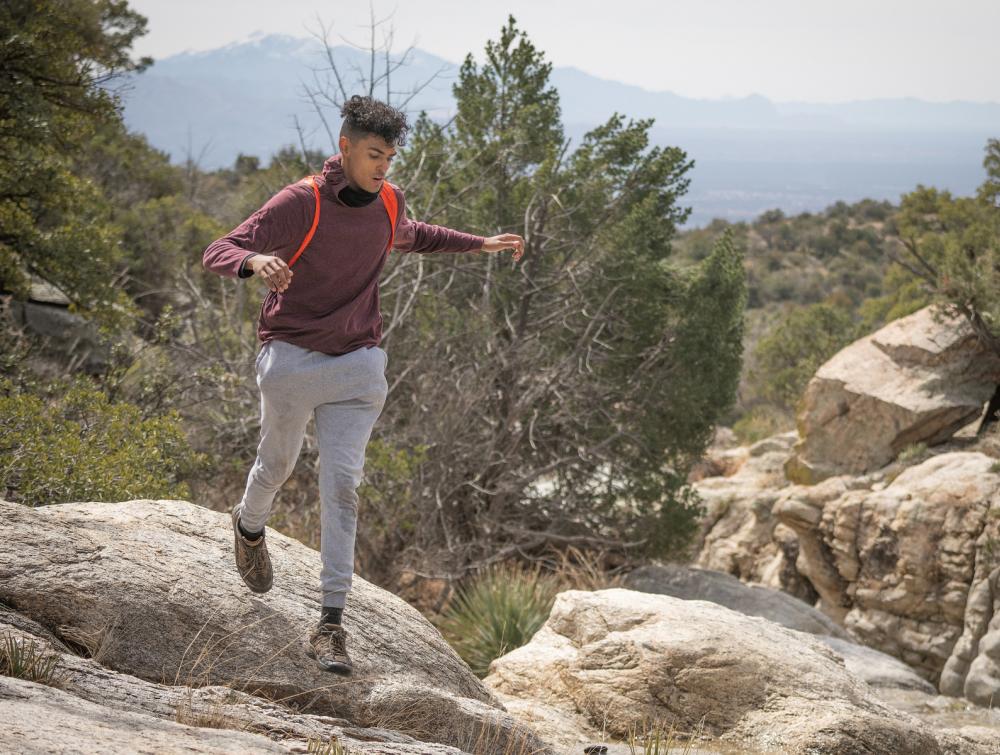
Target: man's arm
{"x": 416, "y": 236}
{"x": 264, "y": 242}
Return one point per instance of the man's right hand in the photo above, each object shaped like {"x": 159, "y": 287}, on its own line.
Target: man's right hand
{"x": 273, "y": 270}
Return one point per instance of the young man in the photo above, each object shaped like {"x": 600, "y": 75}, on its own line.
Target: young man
{"x": 321, "y": 327}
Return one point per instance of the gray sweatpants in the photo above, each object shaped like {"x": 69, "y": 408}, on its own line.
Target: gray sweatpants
{"x": 345, "y": 394}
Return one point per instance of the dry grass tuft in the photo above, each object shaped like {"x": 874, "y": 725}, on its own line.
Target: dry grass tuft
{"x": 94, "y": 644}
{"x": 492, "y": 737}
{"x": 212, "y": 716}
{"x": 331, "y": 746}
{"x": 576, "y": 569}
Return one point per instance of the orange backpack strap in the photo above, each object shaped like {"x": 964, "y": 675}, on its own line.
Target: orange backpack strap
{"x": 391, "y": 208}
{"x": 312, "y": 229}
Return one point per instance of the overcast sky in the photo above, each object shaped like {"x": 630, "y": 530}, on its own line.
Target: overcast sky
{"x": 786, "y": 50}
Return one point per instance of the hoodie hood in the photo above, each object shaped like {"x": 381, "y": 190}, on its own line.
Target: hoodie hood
{"x": 335, "y": 182}
{"x": 334, "y": 178}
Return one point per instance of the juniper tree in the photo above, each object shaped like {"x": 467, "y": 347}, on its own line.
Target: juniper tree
{"x": 561, "y": 401}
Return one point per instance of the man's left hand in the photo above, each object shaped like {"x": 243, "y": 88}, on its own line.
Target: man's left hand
{"x": 505, "y": 241}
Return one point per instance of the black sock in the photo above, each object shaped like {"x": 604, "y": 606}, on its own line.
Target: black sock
{"x": 248, "y": 535}
{"x": 331, "y": 615}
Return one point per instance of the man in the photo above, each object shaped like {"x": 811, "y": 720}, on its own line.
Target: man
{"x": 321, "y": 327}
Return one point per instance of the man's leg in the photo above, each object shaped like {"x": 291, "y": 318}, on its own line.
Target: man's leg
{"x": 284, "y": 414}
{"x": 343, "y": 429}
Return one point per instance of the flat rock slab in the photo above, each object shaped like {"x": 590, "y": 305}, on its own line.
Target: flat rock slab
{"x": 127, "y": 701}
{"x": 876, "y": 668}
{"x": 690, "y": 583}
{"x": 72, "y": 724}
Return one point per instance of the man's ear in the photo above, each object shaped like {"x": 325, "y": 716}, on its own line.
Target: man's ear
{"x": 344, "y": 143}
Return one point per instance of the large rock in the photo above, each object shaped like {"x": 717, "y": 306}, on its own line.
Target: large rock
{"x": 876, "y": 668}
{"x": 617, "y": 656}
{"x": 911, "y": 567}
{"x": 149, "y": 589}
{"x": 915, "y": 380}
{"x": 906, "y": 557}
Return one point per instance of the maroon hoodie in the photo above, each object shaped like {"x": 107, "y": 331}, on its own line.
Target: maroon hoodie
{"x": 332, "y": 302}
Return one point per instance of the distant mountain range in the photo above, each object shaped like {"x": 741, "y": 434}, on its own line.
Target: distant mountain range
{"x": 750, "y": 154}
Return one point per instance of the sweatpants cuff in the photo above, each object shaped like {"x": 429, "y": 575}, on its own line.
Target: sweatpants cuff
{"x": 335, "y": 600}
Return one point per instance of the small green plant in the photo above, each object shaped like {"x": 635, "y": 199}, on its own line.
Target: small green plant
{"x": 912, "y": 452}
{"x": 331, "y": 746}
{"x": 497, "y": 611}
{"x": 995, "y": 467}
{"x": 24, "y": 659}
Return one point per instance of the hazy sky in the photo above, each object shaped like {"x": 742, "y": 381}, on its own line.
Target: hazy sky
{"x": 801, "y": 50}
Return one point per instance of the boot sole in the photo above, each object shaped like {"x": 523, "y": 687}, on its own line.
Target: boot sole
{"x": 333, "y": 666}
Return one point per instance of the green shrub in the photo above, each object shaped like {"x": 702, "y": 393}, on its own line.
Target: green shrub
{"x": 496, "y": 612}
{"x": 24, "y": 659}
{"x": 69, "y": 443}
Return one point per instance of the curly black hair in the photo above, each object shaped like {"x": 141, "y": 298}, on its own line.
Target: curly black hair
{"x": 365, "y": 115}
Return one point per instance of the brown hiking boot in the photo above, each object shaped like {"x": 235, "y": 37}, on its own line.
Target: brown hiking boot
{"x": 328, "y": 645}
{"x": 252, "y": 561}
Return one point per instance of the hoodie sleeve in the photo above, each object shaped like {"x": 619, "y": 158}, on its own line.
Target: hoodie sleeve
{"x": 275, "y": 229}
{"x": 415, "y": 236}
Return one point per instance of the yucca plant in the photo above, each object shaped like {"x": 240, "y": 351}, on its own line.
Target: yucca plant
{"x": 497, "y": 611}
{"x": 24, "y": 659}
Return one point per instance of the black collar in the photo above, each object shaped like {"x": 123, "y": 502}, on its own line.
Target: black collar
{"x": 357, "y": 197}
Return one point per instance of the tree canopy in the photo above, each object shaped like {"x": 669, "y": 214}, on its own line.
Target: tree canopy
{"x": 58, "y": 61}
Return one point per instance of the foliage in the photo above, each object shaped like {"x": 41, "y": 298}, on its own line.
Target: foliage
{"x": 953, "y": 243}
{"x": 497, "y": 611}
{"x": 57, "y": 61}
{"x": 69, "y": 443}
{"x": 25, "y": 659}
{"x": 388, "y": 487}
{"x": 801, "y": 270}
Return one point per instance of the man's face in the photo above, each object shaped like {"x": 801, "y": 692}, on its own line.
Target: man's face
{"x": 366, "y": 161}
